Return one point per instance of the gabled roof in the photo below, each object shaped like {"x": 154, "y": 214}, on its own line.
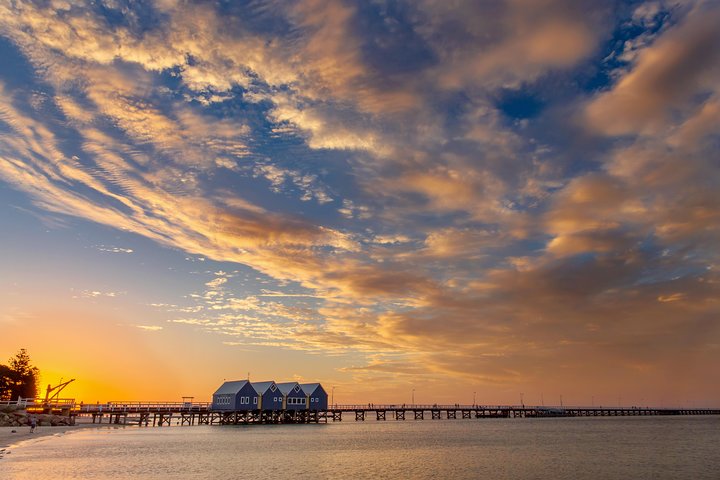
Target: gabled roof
{"x": 309, "y": 388}
{"x": 262, "y": 387}
{"x": 288, "y": 387}
{"x": 231, "y": 387}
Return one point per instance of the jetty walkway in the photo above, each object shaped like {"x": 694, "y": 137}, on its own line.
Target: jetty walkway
{"x": 187, "y": 413}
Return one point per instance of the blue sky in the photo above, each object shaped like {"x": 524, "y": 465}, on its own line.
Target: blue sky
{"x": 493, "y": 196}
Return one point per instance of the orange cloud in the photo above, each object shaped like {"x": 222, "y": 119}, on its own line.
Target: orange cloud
{"x": 682, "y": 63}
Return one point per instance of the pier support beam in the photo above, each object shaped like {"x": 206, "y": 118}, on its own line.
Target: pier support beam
{"x": 161, "y": 419}
{"x": 144, "y": 418}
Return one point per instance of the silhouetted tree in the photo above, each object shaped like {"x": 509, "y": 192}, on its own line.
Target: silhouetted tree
{"x": 19, "y": 378}
{"x": 7, "y": 378}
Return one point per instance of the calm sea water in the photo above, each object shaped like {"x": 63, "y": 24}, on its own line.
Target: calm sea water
{"x": 552, "y": 448}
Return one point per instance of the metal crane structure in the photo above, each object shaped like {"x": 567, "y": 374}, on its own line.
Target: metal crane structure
{"x": 59, "y": 388}
{"x": 51, "y": 395}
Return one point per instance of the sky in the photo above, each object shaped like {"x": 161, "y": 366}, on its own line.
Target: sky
{"x": 500, "y": 201}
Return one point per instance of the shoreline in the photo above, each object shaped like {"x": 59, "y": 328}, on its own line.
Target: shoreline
{"x": 10, "y": 440}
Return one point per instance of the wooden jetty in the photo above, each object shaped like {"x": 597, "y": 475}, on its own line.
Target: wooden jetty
{"x": 457, "y": 411}
{"x": 186, "y": 413}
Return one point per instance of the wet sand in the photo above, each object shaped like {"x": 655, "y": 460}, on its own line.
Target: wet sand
{"x": 8, "y": 439}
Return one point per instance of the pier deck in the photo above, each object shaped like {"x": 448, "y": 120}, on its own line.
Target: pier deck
{"x": 165, "y": 413}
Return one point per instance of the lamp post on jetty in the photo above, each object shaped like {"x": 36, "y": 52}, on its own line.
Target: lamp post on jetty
{"x": 332, "y": 400}
{"x": 413, "y": 396}
{"x": 522, "y": 402}
{"x": 474, "y": 398}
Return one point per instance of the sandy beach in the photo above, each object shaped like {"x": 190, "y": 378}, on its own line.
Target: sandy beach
{"x": 8, "y": 439}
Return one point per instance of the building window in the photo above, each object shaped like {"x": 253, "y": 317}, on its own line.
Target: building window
{"x": 255, "y": 401}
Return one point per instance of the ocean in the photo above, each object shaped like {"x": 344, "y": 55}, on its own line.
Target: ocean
{"x": 547, "y": 448}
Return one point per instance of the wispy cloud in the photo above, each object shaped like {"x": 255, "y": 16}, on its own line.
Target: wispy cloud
{"x": 113, "y": 249}
{"x": 150, "y": 328}
{"x": 97, "y": 294}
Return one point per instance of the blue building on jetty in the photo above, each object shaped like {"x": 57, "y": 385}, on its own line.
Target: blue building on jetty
{"x": 316, "y": 395}
{"x": 294, "y": 397}
{"x": 243, "y": 395}
{"x": 269, "y": 397}
{"x": 234, "y": 396}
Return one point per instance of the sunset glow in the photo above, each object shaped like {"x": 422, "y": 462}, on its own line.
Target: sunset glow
{"x": 490, "y": 199}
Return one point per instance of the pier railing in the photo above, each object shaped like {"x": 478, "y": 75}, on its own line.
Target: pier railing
{"x": 413, "y": 406}
{"x": 40, "y": 405}
{"x": 459, "y": 406}
{"x": 15, "y": 403}
{"x": 162, "y": 411}
{"x": 123, "y": 406}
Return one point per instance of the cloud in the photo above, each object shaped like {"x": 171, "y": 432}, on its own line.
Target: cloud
{"x": 434, "y": 235}
{"x": 98, "y": 293}
{"x": 112, "y": 249}
{"x": 465, "y": 243}
{"x": 309, "y": 184}
{"x": 680, "y": 64}
{"x": 149, "y": 328}
{"x": 507, "y": 43}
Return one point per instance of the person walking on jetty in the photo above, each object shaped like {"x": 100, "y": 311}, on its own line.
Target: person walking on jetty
{"x": 33, "y": 424}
